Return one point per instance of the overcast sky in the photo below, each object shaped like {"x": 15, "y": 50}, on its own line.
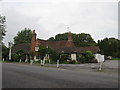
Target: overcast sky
{"x": 50, "y": 17}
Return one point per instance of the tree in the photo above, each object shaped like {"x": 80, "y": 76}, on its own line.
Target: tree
{"x": 59, "y": 37}
{"x": 110, "y": 47}
{"x": 2, "y": 27}
{"x": 42, "y": 51}
{"x": 54, "y": 55}
{"x": 80, "y": 40}
{"x": 83, "y": 40}
{"x": 5, "y": 52}
{"x": 51, "y": 39}
{"x": 24, "y": 36}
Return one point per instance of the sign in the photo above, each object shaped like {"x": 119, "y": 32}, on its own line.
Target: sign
{"x": 99, "y": 57}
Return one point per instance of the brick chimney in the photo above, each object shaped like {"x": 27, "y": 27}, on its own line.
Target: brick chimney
{"x": 69, "y": 36}
{"x": 70, "y": 42}
{"x": 33, "y": 41}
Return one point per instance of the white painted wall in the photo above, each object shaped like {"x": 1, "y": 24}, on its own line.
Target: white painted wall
{"x": 36, "y": 58}
{"x": 73, "y": 56}
{"x": 36, "y": 48}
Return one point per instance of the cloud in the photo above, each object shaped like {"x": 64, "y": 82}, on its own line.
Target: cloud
{"x": 51, "y": 18}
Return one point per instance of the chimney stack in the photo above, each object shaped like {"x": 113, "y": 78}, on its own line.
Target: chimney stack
{"x": 33, "y": 41}
{"x": 69, "y": 36}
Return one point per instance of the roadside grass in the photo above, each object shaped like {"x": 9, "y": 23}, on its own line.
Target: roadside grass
{"x": 1, "y": 61}
{"x": 115, "y": 58}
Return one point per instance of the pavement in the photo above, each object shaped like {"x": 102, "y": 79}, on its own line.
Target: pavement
{"x": 108, "y": 65}
{"x": 16, "y": 75}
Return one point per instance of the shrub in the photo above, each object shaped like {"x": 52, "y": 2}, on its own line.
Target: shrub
{"x": 81, "y": 59}
{"x": 63, "y": 57}
{"x": 23, "y": 56}
{"x": 16, "y": 57}
{"x": 54, "y": 56}
{"x": 5, "y": 52}
{"x": 89, "y": 56}
{"x": 72, "y": 62}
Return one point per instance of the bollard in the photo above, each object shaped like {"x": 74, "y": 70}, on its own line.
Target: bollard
{"x": 49, "y": 61}
{"x": 20, "y": 61}
{"x": 41, "y": 62}
{"x": 26, "y": 60}
{"x": 100, "y": 68}
{"x": 3, "y": 60}
{"x": 31, "y": 62}
{"x": 57, "y": 63}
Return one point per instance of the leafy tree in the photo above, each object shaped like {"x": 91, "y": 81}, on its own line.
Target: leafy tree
{"x": 51, "y": 39}
{"x": 18, "y": 55}
{"x": 42, "y": 51}
{"x": 5, "y": 52}
{"x": 32, "y": 54}
{"x": 2, "y": 27}
{"x": 60, "y": 37}
{"x": 24, "y": 36}
{"x": 54, "y": 55}
{"x": 110, "y": 47}
{"x": 83, "y": 40}
{"x": 80, "y": 40}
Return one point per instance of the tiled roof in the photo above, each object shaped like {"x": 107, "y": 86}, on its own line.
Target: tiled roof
{"x": 68, "y": 46}
{"x": 25, "y": 47}
{"x": 56, "y": 44}
{"x": 61, "y": 46}
{"x": 94, "y": 49}
{"x": 74, "y": 49}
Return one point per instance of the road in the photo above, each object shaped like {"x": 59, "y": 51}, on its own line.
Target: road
{"x": 29, "y": 76}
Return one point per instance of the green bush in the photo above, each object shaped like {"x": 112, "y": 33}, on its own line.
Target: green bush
{"x": 64, "y": 62}
{"x": 81, "y": 59}
{"x": 16, "y": 57}
{"x": 53, "y": 62}
{"x": 63, "y": 58}
{"x": 23, "y": 57}
{"x": 89, "y": 56}
{"x": 54, "y": 56}
{"x": 72, "y": 62}
{"x": 5, "y": 52}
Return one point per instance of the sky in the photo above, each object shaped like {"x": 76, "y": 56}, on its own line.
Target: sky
{"x": 51, "y": 17}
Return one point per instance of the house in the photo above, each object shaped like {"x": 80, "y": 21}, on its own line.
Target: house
{"x": 65, "y": 46}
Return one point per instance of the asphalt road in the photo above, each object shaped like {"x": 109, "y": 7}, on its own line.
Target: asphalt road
{"x": 29, "y": 76}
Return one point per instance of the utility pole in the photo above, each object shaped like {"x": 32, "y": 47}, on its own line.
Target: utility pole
{"x": 10, "y": 46}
